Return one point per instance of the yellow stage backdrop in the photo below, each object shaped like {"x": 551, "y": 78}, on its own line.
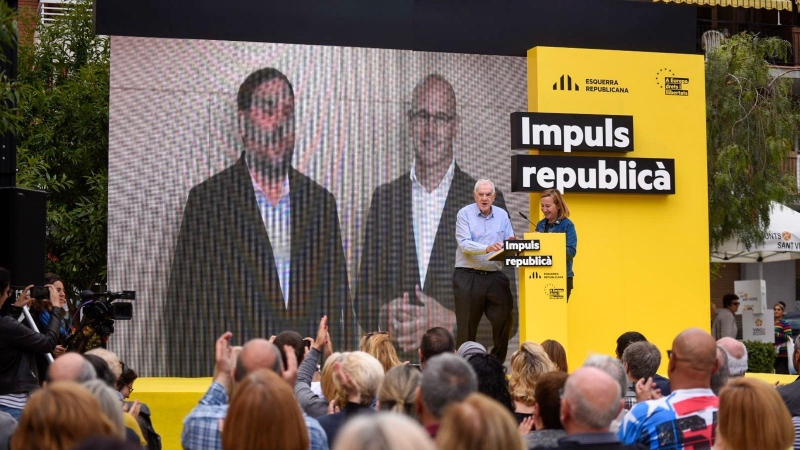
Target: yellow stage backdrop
{"x": 642, "y": 259}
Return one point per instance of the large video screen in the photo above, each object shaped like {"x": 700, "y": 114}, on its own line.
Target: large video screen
{"x": 255, "y": 187}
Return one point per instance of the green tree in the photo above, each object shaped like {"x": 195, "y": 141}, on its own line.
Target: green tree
{"x": 63, "y": 143}
{"x": 752, "y": 122}
{"x": 10, "y": 90}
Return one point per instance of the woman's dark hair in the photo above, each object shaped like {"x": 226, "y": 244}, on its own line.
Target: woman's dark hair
{"x": 50, "y": 278}
{"x": 104, "y": 372}
{"x": 127, "y": 378}
{"x": 548, "y": 399}
{"x": 492, "y": 379}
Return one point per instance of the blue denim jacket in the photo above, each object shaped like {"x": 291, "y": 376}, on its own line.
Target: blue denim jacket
{"x": 563, "y": 226}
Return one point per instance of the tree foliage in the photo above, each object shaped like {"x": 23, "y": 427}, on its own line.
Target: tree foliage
{"x": 752, "y": 123}
{"x": 10, "y": 89}
{"x": 63, "y": 143}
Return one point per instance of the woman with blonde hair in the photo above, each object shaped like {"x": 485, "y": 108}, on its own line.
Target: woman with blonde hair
{"x": 527, "y": 365}
{"x": 381, "y": 346}
{"x": 383, "y": 431}
{"x": 328, "y": 386}
{"x": 398, "y": 390}
{"x": 60, "y": 417}
{"x": 752, "y": 415}
{"x": 358, "y": 376}
{"x": 263, "y": 414}
{"x": 479, "y": 423}
{"x": 556, "y": 220}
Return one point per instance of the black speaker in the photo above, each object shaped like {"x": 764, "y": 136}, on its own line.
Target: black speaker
{"x": 22, "y": 234}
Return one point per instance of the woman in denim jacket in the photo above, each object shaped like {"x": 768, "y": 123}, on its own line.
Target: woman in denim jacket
{"x": 556, "y": 220}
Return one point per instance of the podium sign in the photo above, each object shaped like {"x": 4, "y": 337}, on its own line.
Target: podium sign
{"x": 543, "y": 290}
{"x": 757, "y": 321}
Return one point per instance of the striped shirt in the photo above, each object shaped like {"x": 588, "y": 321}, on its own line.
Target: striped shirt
{"x": 16, "y": 401}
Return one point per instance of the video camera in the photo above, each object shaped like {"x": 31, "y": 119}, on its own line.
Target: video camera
{"x": 100, "y": 305}
{"x": 97, "y": 314}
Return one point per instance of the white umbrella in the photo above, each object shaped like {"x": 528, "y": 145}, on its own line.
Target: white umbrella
{"x": 781, "y": 243}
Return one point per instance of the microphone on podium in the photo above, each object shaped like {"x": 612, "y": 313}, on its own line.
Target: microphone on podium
{"x": 526, "y": 218}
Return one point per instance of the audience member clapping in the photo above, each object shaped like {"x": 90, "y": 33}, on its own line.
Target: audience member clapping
{"x": 201, "y": 428}
{"x": 263, "y": 414}
{"x": 547, "y": 411}
{"x": 59, "y": 417}
{"x": 527, "y": 365}
{"x": 311, "y": 402}
{"x": 398, "y": 391}
{"x": 383, "y": 431}
{"x": 752, "y": 416}
{"x": 358, "y": 376}
{"x": 478, "y": 423}
{"x": 557, "y": 354}
{"x": 641, "y": 361}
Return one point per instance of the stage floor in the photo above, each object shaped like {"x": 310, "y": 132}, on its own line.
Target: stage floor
{"x": 170, "y": 400}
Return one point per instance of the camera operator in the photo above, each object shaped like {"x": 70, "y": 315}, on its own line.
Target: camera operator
{"x": 41, "y": 310}
{"x": 19, "y": 375}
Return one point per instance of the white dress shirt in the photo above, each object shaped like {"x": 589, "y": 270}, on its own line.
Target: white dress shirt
{"x": 427, "y": 210}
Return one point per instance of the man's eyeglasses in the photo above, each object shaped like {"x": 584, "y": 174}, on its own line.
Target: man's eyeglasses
{"x": 423, "y": 118}
{"x": 669, "y": 356}
{"x": 735, "y": 303}
{"x": 130, "y": 388}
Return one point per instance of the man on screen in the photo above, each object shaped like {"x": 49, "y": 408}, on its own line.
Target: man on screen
{"x": 405, "y": 282}
{"x": 259, "y": 249}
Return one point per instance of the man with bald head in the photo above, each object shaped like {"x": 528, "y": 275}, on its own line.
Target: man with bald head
{"x": 687, "y": 418}
{"x": 405, "y": 281}
{"x": 70, "y": 367}
{"x": 737, "y": 356}
{"x": 202, "y": 427}
{"x": 591, "y": 401}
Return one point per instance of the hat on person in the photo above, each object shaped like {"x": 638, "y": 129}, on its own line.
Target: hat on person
{"x": 469, "y": 349}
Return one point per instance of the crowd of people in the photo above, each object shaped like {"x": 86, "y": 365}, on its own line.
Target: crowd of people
{"x": 463, "y": 397}
{"x": 291, "y": 392}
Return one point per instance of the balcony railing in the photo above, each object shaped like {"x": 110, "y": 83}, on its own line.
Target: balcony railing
{"x": 729, "y": 28}
{"x": 49, "y": 10}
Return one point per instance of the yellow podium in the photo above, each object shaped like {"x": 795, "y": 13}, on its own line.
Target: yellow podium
{"x": 543, "y": 291}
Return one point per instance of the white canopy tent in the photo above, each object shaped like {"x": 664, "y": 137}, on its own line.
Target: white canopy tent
{"x": 782, "y": 241}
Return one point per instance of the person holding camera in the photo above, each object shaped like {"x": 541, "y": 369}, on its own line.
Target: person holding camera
{"x": 19, "y": 345}
{"x": 42, "y": 310}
